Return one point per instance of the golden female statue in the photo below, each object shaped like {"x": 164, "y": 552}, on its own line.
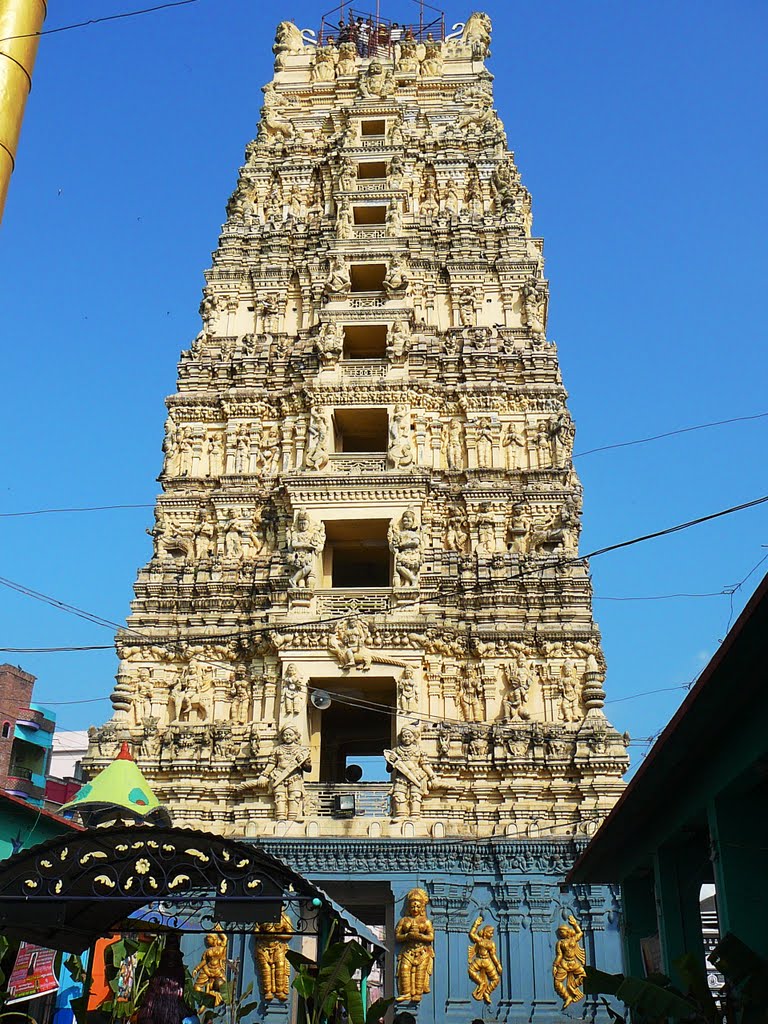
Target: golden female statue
{"x": 211, "y": 973}
{"x": 270, "y": 946}
{"x": 568, "y": 968}
{"x": 417, "y": 955}
{"x": 483, "y": 962}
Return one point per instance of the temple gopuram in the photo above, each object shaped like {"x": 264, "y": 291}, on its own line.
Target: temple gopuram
{"x": 364, "y": 638}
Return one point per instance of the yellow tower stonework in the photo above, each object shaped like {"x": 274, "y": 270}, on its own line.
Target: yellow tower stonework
{"x": 366, "y": 546}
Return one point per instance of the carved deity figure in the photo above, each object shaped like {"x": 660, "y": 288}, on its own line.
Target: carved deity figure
{"x": 349, "y": 643}
{"x": 397, "y": 277}
{"x": 466, "y": 307}
{"x": 405, "y": 544}
{"x": 306, "y": 540}
{"x": 516, "y": 696}
{"x": 534, "y": 294}
{"x": 270, "y": 946}
{"x": 316, "y": 453}
{"x": 400, "y": 452}
{"x": 408, "y": 61}
{"x": 570, "y": 693}
{"x": 406, "y": 690}
{"x": 451, "y": 201}
{"x": 292, "y": 690}
{"x": 484, "y": 443}
{"x": 471, "y": 695}
{"x": 483, "y": 964}
{"x": 376, "y": 82}
{"x": 412, "y": 774}
{"x": 283, "y": 775}
{"x": 515, "y": 445}
{"x": 486, "y": 534}
{"x": 330, "y": 343}
{"x": 478, "y": 102}
{"x": 240, "y": 694}
{"x": 417, "y": 955}
{"x": 394, "y": 221}
{"x": 344, "y": 226}
{"x": 568, "y": 969}
{"x": 274, "y": 126}
{"x": 211, "y": 973}
{"x": 398, "y": 338}
{"x": 454, "y": 448}
{"x": 456, "y": 534}
{"x": 205, "y": 536}
{"x": 432, "y": 61}
{"x": 339, "y": 281}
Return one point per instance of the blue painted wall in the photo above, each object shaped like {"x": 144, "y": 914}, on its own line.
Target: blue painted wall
{"x": 515, "y": 885}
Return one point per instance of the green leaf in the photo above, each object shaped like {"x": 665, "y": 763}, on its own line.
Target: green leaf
{"x": 377, "y": 1010}
{"x": 653, "y": 1000}
{"x": 298, "y": 960}
{"x": 598, "y": 982}
{"x": 353, "y": 1002}
{"x": 245, "y": 1008}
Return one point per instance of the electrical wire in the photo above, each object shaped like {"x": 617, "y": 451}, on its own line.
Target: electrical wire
{"x": 97, "y": 21}
{"x": 669, "y": 433}
{"x": 85, "y": 508}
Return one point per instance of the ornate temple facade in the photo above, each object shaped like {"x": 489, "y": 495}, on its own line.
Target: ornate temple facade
{"x": 365, "y": 637}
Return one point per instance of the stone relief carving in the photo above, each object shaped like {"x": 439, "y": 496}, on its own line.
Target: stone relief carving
{"x": 400, "y": 453}
{"x": 349, "y": 644}
{"x": 375, "y": 81}
{"x": 405, "y": 544}
{"x": 515, "y": 677}
{"x": 316, "y": 454}
{"x": 412, "y": 774}
{"x": 477, "y": 34}
{"x": 292, "y": 691}
{"x": 306, "y": 540}
{"x": 283, "y": 775}
{"x": 397, "y": 278}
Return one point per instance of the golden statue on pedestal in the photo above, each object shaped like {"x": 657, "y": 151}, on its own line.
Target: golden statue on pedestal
{"x": 568, "y": 967}
{"x": 417, "y": 955}
{"x": 211, "y": 973}
{"x": 271, "y": 940}
{"x": 483, "y": 963}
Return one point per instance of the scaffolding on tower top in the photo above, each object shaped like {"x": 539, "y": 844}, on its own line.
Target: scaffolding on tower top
{"x": 374, "y": 35}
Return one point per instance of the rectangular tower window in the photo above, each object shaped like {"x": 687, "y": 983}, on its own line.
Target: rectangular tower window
{"x": 373, "y": 129}
{"x": 365, "y": 341}
{"x": 356, "y": 554}
{"x": 372, "y": 170}
{"x": 369, "y": 214}
{"x": 367, "y": 277}
{"x": 360, "y": 430}
{"x": 350, "y": 732}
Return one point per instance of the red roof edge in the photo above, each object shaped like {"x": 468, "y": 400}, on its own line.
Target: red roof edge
{"x": 41, "y": 811}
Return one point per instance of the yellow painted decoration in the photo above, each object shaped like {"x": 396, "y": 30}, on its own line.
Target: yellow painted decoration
{"x": 483, "y": 963}
{"x": 568, "y": 968}
{"x": 211, "y": 973}
{"x": 417, "y": 955}
{"x": 270, "y": 947}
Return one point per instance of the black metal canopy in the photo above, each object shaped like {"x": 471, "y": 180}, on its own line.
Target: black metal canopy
{"x": 68, "y": 891}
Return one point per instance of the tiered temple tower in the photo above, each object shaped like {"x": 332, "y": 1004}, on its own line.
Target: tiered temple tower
{"x": 365, "y": 549}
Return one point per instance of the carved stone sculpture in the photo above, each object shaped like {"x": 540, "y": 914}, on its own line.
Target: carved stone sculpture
{"x": 288, "y": 40}
{"x": 324, "y": 66}
{"x": 568, "y": 969}
{"x": 432, "y": 61}
{"x": 275, "y": 126}
{"x": 477, "y": 34}
{"x": 416, "y": 957}
{"x": 339, "y": 280}
{"x": 534, "y": 293}
{"x": 344, "y": 226}
{"x": 412, "y": 774}
{"x": 270, "y": 946}
{"x": 515, "y": 446}
{"x": 406, "y": 691}
{"x": 518, "y": 685}
{"x": 348, "y": 644}
{"x": 330, "y": 343}
{"x": 405, "y": 544}
{"x": 570, "y": 693}
{"x": 347, "y": 64}
{"x": 398, "y": 339}
{"x": 483, "y": 964}
{"x": 376, "y": 82}
{"x": 400, "y": 452}
{"x": 316, "y": 454}
{"x": 306, "y": 539}
{"x": 292, "y": 690}
{"x": 397, "y": 277}
{"x": 471, "y": 695}
{"x": 283, "y": 775}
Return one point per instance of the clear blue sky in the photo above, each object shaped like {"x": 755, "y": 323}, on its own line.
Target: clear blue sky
{"x": 638, "y": 128}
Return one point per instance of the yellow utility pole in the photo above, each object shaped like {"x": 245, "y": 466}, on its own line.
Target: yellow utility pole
{"x": 20, "y": 25}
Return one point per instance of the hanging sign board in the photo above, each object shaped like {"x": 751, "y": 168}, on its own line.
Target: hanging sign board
{"x": 33, "y": 974}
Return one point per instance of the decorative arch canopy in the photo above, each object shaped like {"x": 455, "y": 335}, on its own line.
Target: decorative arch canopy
{"x": 68, "y": 891}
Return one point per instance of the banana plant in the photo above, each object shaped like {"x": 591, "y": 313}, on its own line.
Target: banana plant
{"x": 331, "y": 986}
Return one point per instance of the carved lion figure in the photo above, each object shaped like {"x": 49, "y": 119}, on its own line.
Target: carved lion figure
{"x": 288, "y": 37}
{"x": 477, "y": 33}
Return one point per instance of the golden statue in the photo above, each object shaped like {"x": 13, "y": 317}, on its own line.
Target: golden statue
{"x": 417, "y": 955}
{"x": 211, "y": 973}
{"x": 271, "y": 940}
{"x": 568, "y": 967}
{"x": 483, "y": 962}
